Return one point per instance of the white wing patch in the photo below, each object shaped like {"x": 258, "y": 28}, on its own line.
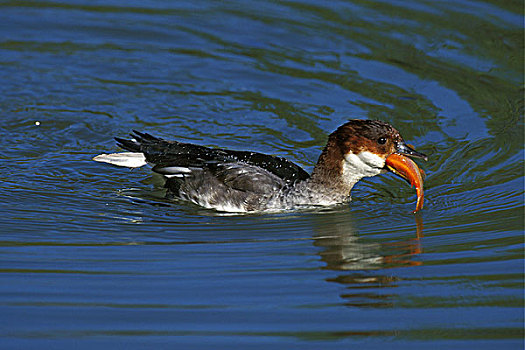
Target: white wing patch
{"x": 173, "y": 171}
{"x": 125, "y": 159}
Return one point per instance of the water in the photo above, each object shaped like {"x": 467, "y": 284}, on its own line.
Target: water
{"x": 94, "y": 256}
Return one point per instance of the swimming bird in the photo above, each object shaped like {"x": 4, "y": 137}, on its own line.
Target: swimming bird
{"x": 243, "y": 181}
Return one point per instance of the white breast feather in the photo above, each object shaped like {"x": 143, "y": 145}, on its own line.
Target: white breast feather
{"x": 363, "y": 164}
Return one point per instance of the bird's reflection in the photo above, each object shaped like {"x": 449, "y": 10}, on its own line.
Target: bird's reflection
{"x": 363, "y": 264}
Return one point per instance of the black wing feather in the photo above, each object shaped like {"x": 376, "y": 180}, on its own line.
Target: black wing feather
{"x": 172, "y": 153}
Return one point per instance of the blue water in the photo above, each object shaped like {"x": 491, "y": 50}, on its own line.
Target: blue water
{"x": 95, "y": 256}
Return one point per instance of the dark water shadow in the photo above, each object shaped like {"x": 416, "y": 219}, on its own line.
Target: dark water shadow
{"x": 364, "y": 266}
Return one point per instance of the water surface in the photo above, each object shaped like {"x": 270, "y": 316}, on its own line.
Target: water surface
{"x": 93, "y": 255}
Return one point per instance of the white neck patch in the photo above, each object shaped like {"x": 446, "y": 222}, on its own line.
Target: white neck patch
{"x": 363, "y": 164}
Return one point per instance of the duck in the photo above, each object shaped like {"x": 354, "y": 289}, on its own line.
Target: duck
{"x": 245, "y": 181}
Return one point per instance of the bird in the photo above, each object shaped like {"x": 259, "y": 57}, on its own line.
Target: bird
{"x": 245, "y": 181}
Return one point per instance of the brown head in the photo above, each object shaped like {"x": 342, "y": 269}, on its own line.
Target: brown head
{"x": 359, "y": 149}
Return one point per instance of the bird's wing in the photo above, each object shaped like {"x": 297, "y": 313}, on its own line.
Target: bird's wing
{"x": 232, "y": 175}
{"x": 185, "y": 155}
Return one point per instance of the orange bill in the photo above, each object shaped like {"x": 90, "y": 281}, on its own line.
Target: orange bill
{"x": 407, "y": 169}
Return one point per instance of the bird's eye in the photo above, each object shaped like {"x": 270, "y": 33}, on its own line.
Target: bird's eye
{"x": 381, "y": 140}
